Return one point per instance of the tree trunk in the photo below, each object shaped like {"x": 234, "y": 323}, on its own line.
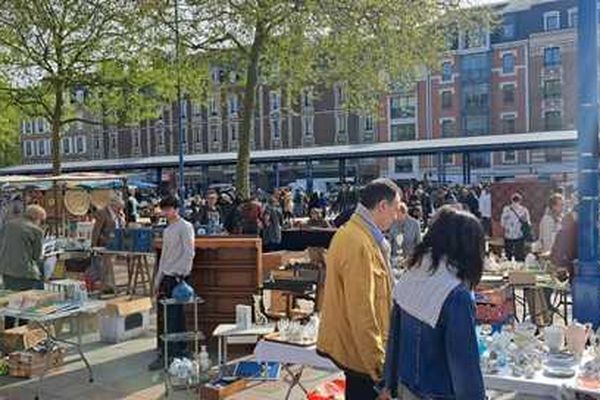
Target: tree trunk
{"x": 243, "y": 162}
{"x": 56, "y": 125}
{"x": 56, "y": 161}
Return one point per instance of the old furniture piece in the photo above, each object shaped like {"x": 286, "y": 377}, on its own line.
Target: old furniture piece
{"x": 226, "y": 272}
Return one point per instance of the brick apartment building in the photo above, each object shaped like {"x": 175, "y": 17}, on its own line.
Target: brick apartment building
{"x": 518, "y": 77}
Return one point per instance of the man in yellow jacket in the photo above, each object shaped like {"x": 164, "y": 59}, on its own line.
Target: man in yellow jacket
{"x": 357, "y": 301}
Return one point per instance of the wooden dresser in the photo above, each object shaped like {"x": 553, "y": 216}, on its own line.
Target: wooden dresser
{"x": 227, "y": 271}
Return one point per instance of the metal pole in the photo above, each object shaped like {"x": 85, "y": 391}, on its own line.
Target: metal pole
{"x": 342, "y": 169}
{"x": 276, "y": 173}
{"x": 309, "y": 176}
{"x": 179, "y": 127}
{"x": 586, "y": 285}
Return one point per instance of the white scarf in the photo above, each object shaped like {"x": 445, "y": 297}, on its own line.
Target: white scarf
{"x": 422, "y": 294}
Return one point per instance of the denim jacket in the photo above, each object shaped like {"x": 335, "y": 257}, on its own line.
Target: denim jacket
{"x": 436, "y": 363}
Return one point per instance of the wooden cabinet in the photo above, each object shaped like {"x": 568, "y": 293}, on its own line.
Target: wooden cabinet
{"x": 227, "y": 271}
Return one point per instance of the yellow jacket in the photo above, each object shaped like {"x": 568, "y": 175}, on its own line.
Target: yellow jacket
{"x": 357, "y": 302}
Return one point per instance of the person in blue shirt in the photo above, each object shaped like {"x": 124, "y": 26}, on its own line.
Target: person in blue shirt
{"x": 432, "y": 346}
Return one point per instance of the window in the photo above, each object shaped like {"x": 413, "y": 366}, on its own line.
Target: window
{"x": 368, "y": 123}
{"x": 403, "y": 106}
{"x": 508, "y": 94}
{"x": 217, "y": 75}
{"x": 476, "y": 125}
{"x": 308, "y": 125}
{"x": 80, "y": 144}
{"x": 233, "y": 77}
{"x": 476, "y": 67}
{"x": 214, "y": 133}
{"x": 197, "y": 132}
{"x": 28, "y": 146}
{"x": 275, "y": 128}
{"x": 275, "y": 100}
{"x": 551, "y": 57}
{"x": 403, "y": 165}
{"x": 41, "y": 125}
{"x": 573, "y": 18}
{"x": 214, "y": 106}
{"x": 446, "y": 71}
{"x": 113, "y": 141}
{"x": 340, "y": 95}
{"x": 183, "y": 109}
{"x": 403, "y": 132}
{"x": 341, "y": 122}
{"x": 196, "y": 110}
{"x": 508, "y": 27}
{"x": 475, "y": 38}
{"x": 476, "y": 98}
{"x": 448, "y": 128}
{"x": 136, "y": 138}
{"x": 66, "y": 145}
{"x": 508, "y": 124}
{"x": 508, "y": 63}
{"x": 96, "y": 143}
{"x": 233, "y": 105}
{"x": 29, "y": 126}
{"x": 509, "y": 157}
{"x": 480, "y": 160}
{"x": 552, "y": 89}
{"x": 307, "y": 99}
{"x": 233, "y": 132}
{"x": 446, "y": 99}
{"x": 42, "y": 149}
{"x": 553, "y": 120}
{"x": 551, "y": 20}
{"x": 553, "y": 155}
{"x": 79, "y": 96}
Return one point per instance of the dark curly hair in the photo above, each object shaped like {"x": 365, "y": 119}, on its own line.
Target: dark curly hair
{"x": 458, "y": 236}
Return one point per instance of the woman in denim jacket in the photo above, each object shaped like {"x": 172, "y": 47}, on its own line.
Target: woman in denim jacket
{"x": 432, "y": 346}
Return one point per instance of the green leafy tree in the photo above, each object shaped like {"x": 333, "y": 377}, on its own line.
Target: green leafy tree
{"x": 49, "y": 47}
{"x": 367, "y": 45}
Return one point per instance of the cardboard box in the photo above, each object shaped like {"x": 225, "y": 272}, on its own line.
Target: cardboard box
{"x": 127, "y": 305}
{"x": 32, "y": 298}
{"x": 21, "y": 338}
{"x": 221, "y": 390}
{"x": 25, "y": 364}
{"x": 125, "y": 318}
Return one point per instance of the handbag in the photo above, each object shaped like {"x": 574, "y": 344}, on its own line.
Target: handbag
{"x": 526, "y": 229}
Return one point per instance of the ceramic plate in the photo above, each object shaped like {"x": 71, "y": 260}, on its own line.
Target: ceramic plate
{"x": 560, "y": 360}
{"x": 557, "y": 372}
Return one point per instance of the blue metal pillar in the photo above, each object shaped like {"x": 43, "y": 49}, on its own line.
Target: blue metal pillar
{"x": 276, "y": 175}
{"x": 309, "y": 176}
{"x": 586, "y": 285}
{"x": 342, "y": 169}
{"x": 466, "y": 164}
{"x": 158, "y": 176}
{"x": 205, "y": 178}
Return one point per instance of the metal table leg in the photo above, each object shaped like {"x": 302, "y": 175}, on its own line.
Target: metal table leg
{"x": 295, "y": 377}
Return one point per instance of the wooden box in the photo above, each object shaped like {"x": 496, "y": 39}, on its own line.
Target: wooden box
{"x": 522, "y": 278}
{"x": 21, "y": 338}
{"x": 218, "y": 392}
{"x": 25, "y": 364}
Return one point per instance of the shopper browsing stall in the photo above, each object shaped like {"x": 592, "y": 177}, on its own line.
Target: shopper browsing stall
{"x": 516, "y": 222}
{"x": 357, "y": 300}
{"x": 174, "y": 266}
{"x": 432, "y": 346}
{"x": 21, "y": 250}
{"x": 107, "y": 221}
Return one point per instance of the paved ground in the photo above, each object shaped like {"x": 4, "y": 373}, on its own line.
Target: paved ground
{"x": 121, "y": 373}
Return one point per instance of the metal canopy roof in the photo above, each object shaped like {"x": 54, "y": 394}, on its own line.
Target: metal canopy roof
{"x": 520, "y": 141}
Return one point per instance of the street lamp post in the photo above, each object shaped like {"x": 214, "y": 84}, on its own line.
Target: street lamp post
{"x": 179, "y": 124}
{"x": 586, "y": 285}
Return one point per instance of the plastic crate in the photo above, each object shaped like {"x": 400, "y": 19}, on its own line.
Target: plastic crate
{"x": 494, "y": 313}
{"x": 138, "y": 240}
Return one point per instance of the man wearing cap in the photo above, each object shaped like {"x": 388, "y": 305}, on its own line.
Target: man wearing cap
{"x": 108, "y": 220}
